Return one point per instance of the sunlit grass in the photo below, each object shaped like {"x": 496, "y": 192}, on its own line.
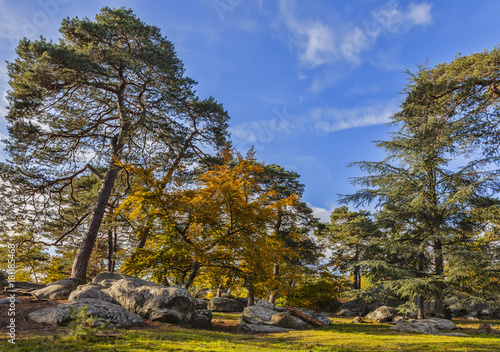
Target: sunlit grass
{"x": 341, "y": 336}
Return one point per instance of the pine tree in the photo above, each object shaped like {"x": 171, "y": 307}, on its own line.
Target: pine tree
{"x": 110, "y": 91}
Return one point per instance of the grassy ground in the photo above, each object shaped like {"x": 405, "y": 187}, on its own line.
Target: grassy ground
{"x": 340, "y": 336}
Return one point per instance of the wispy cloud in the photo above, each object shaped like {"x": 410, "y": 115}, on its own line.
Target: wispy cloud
{"x": 317, "y": 121}
{"x": 320, "y": 43}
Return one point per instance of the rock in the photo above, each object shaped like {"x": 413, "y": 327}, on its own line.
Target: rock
{"x": 398, "y": 318}
{"x": 471, "y": 318}
{"x": 425, "y": 326}
{"x": 486, "y": 313}
{"x": 485, "y": 329}
{"x": 28, "y": 286}
{"x": 8, "y": 301}
{"x": 417, "y": 326}
{"x": 107, "y": 278}
{"x": 382, "y": 314}
{"x": 202, "y": 318}
{"x": 358, "y": 320}
{"x": 285, "y": 320}
{"x": 261, "y": 329}
{"x": 318, "y": 316}
{"x": 152, "y": 301}
{"x": 200, "y": 304}
{"x": 115, "y": 315}
{"x": 223, "y": 304}
{"x": 265, "y": 304}
{"x": 259, "y": 319}
{"x": 442, "y": 324}
{"x": 457, "y": 334}
{"x": 93, "y": 291}
{"x": 347, "y": 313}
{"x": 58, "y": 290}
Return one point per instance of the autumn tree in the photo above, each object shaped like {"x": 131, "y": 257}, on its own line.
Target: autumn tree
{"x": 220, "y": 223}
{"x": 110, "y": 91}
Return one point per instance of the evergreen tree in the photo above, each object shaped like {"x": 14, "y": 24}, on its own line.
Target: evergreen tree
{"x": 111, "y": 91}
{"x": 427, "y": 206}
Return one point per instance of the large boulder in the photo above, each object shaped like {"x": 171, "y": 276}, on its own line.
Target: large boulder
{"x": 257, "y": 319}
{"x": 91, "y": 290}
{"x": 382, "y": 314}
{"x": 202, "y": 318}
{"x": 285, "y": 320}
{"x": 153, "y": 301}
{"x": 58, "y": 290}
{"x": 224, "y": 304}
{"x": 106, "y": 278}
{"x": 425, "y": 326}
{"x": 105, "y": 312}
{"x": 318, "y": 316}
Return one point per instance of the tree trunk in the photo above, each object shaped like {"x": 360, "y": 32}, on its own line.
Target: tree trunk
{"x": 441, "y": 308}
{"x": 110, "y": 250}
{"x": 421, "y": 302}
{"x": 192, "y": 275}
{"x": 81, "y": 262}
{"x": 274, "y": 293}
{"x": 421, "y": 307}
{"x": 144, "y": 238}
{"x": 251, "y": 293}
{"x": 219, "y": 291}
{"x": 115, "y": 247}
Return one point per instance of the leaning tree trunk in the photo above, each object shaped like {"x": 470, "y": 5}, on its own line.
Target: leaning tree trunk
{"x": 81, "y": 262}
{"x": 192, "y": 275}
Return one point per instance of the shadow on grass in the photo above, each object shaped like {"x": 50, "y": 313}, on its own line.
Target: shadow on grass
{"x": 340, "y": 336}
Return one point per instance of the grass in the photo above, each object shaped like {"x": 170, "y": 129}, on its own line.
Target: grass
{"x": 340, "y": 336}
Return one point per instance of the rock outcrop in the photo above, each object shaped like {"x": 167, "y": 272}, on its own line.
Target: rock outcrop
{"x": 266, "y": 317}
{"x": 382, "y": 314}
{"x": 58, "y": 290}
{"x": 228, "y": 305}
{"x": 105, "y": 312}
{"x": 93, "y": 291}
{"x": 430, "y": 326}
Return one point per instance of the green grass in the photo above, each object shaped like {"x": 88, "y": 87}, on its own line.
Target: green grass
{"x": 341, "y": 336}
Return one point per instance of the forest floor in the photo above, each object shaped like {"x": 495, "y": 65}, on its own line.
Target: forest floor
{"x": 224, "y": 335}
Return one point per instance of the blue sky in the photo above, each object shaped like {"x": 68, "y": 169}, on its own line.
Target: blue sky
{"x": 309, "y": 84}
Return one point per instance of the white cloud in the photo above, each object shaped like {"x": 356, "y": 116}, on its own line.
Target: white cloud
{"x": 321, "y": 43}
{"x": 317, "y": 121}
{"x": 419, "y": 14}
{"x": 321, "y": 213}
{"x": 325, "y": 120}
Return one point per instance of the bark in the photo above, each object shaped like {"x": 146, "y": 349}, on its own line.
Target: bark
{"x": 251, "y": 293}
{"x": 274, "y": 293}
{"x": 110, "y": 250}
{"x": 421, "y": 302}
{"x": 144, "y": 238}
{"x": 192, "y": 275}
{"x": 80, "y": 264}
{"x": 441, "y": 308}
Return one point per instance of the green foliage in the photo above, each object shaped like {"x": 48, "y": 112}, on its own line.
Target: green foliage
{"x": 83, "y": 325}
{"x": 320, "y": 293}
